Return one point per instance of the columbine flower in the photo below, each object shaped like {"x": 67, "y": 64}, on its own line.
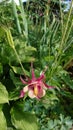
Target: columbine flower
{"x": 35, "y": 87}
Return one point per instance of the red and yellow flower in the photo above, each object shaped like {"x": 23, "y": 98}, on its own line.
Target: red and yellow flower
{"x": 35, "y": 87}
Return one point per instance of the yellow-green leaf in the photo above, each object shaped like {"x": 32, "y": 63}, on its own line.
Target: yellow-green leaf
{"x": 3, "y": 125}
{"x": 3, "y": 94}
{"x": 23, "y": 120}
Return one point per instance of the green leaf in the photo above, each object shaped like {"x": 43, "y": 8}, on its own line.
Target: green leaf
{"x": 51, "y": 124}
{"x": 18, "y": 70}
{"x": 66, "y": 78}
{"x": 50, "y": 99}
{"x": 3, "y": 125}
{"x": 3, "y": 94}
{"x": 23, "y": 120}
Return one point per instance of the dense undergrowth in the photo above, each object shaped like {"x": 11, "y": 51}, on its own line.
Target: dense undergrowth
{"x": 39, "y": 36}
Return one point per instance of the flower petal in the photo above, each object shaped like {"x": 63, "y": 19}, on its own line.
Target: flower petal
{"x": 44, "y": 92}
{"x": 25, "y": 89}
{"x": 40, "y": 91}
{"x": 22, "y": 93}
{"x": 23, "y": 81}
{"x": 31, "y": 94}
{"x": 42, "y": 76}
{"x": 47, "y": 86}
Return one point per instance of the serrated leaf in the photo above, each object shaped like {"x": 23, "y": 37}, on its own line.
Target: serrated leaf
{"x": 23, "y": 120}
{"x": 3, "y": 125}
{"x": 50, "y": 124}
{"x": 3, "y": 94}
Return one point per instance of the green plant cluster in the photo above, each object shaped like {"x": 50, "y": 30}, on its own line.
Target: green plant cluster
{"x": 46, "y": 42}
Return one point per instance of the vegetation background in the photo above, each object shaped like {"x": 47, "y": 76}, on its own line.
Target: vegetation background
{"x": 42, "y": 33}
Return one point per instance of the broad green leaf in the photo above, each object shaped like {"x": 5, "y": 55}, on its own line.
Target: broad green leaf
{"x": 3, "y": 94}
{"x": 23, "y": 120}
{"x": 3, "y": 125}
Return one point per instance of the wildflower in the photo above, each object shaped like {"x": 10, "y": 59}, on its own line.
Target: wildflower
{"x": 35, "y": 87}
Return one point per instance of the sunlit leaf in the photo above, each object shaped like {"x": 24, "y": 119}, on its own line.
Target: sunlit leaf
{"x": 3, "y": 94}
{"x": 23, "y": 121}
{"x": 3, "y": 125}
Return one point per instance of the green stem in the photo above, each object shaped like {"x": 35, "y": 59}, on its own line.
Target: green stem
{"x": 19, "y": 60}
{"x": 61, "y": 16}
{"x": 11, "y": 43}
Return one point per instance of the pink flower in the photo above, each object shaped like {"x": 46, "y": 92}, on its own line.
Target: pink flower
{"x": 35, "y": 87}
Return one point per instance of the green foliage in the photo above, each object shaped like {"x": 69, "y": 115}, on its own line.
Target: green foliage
{"x": 3, "y": 125}
{"x": 3, "y": 94}
{"x": 5, "y": 13}
{"x": 23, "y": 120}
{"x": 63, "y": 123}
{"x": 7, "y": 50}
{"x": 44, "y": 40}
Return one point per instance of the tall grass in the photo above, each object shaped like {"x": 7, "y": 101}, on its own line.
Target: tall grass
{"x": 66, "y": 29}
{"x": 24, "y": 19}
{"x": 16, "y": 17}
{"x": 50, "y": 35}
{"x": 22, "y": 28}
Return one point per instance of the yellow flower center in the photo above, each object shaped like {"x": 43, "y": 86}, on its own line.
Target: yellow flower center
{"x": 35, "y": 91}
